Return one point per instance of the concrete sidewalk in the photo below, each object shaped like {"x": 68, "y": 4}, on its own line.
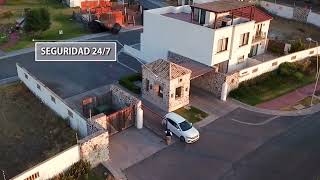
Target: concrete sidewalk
{"x": 290, "y": 98}
{"x": 132, "y": 146}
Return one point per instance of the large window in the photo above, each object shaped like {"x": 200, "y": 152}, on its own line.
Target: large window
{"x": 147, "y": 84}
{"x": 222, "y": 45}
{"x": 244, "y": 39}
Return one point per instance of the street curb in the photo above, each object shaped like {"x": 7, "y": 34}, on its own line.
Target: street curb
{"x": 307, "y": 111}
{"x": 9, "y": 80}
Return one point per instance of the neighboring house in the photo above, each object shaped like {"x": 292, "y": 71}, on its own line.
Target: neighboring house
{"x": 166, "y": 84}
{"x": 220, "y": 34}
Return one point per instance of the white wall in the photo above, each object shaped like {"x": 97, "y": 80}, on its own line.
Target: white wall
{"x": 162, "y": 34}
{"x": 278, "y": 9}
{"x": 248, "y": 73}
{"x": 238, "y": 50}
{"x": 74, "y": 3}
{"x": 314, "y": 18}
{"x": 54, "y": 165}
{"x": 77, "y": 122}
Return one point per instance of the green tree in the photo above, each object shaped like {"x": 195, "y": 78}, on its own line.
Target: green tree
{"x": 37, "y": 20}
{"x": 297, "y": 46}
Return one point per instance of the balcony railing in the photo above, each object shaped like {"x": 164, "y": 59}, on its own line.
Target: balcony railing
{"x": 259, "y": 37}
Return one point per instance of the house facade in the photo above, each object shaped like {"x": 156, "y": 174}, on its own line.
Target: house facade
{"x": 166, "y": 84}
{"x": 220, "y": 34}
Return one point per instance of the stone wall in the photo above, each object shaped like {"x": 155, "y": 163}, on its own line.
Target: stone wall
{"x": 211, "y": 82}
{"x": 232, "y": 81}
{"x": 122, "y": 98}
{"x": 152, "y": 96}
{"x": 95, "y": 148}
{"x": 184, "y": 83}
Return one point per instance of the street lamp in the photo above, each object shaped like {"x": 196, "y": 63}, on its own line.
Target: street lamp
{"x": 317, "y": 74}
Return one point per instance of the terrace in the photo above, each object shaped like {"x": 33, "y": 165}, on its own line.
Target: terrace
{"x": 219, "y": 14}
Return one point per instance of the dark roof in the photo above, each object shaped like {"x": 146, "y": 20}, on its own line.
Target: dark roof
{"x": 222, "y": 6}
{"x": 197, "y": 68}
{"x": 257, "y": 14}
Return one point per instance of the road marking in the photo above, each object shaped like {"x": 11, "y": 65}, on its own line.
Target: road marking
{"x": 255, "y": 124}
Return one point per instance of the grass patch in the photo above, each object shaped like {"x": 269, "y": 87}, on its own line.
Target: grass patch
{"x": 129, "y": 83}
{"x": 191, "y": 113}
{"x": 306, "y": 102}
{"x": 3, "y": 38}
{"x": 273, "y": 84}
{"x": 30, "y": 131}
{"x": 60, "y": 20}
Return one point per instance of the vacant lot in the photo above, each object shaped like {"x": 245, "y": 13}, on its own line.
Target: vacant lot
{"x": 60, "y": 20}
{"x": 285, "y": 29}
{"x": 30, "y": 132}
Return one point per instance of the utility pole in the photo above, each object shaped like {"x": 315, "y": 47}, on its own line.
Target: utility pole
{"x": 318, "y": 72}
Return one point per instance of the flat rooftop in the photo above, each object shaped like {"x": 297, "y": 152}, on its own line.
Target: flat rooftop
{"x": 222, "y": 6}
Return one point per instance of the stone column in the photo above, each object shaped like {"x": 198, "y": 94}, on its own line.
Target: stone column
{"x": 139, "y": 116}
{"x": 224, "y": 91}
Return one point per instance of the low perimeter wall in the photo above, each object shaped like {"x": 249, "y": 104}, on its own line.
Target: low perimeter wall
{"x": 289, "y": 12}
{"x": 52, "y": 166}
{"x": 77, "y": 121}
{"x": 254, "y": 71}
{"x": 94, "y": 147}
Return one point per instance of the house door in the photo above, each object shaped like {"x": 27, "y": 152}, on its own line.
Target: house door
{"x": 254, "y": 50}
{"x": 202, "y": 17}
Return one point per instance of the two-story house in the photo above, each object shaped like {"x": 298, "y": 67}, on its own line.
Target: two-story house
{"x": 221, "y": 34}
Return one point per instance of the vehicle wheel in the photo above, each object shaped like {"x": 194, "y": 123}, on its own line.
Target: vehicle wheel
{"x": 182, "y": 139}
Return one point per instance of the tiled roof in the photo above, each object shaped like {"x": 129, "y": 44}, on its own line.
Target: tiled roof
{"x": 222, "y": 6}
{"x": 167, "y": 70}
{"x": 257, "y": 14}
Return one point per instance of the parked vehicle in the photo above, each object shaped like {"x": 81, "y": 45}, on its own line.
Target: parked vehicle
{"x": 181, "y": 127}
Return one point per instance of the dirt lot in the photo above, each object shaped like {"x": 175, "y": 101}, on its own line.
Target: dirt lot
{"x": 286, "y": 29}
{"x": 30, "y": 132}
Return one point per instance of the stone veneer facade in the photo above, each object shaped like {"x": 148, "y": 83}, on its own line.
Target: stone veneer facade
{"x": 168, "y": 102}
{"x": 213, "y": 81}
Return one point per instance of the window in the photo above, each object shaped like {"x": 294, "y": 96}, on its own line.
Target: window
{"x": 173, "y": 123}
{"x": 70, "y": 113}
{"x": 26, "y": 76}
{"x": 180, "y": 80}
{"x": 150, "y": 86}
{"x": 222, "y": 45}
{"x": 255, "y": 70}
{"x": 244, "y": 39}
{"x": 147, "y": 84}
{"x": 240, "y": 59}
{"x": 160, "y": 91}
{"x": 178, "y": 92}
{"x": 38, "y": 86}
{"x": 293, "y": 57}
{"x": 53, "y": 99}
{"x": 171, "y": 95}
{"x": 33, "y": 176}
{"x": 187, "y": 89}
{"x": 274, "y": 63}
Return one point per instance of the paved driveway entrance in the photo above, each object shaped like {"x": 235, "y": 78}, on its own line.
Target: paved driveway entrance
{"x": 222, "y": 144}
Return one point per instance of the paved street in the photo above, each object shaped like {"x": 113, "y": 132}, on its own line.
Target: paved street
{"x": 71, "y": 78}
{"x": 231, "y": 150}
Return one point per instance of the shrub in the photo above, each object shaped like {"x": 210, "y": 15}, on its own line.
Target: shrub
{"x": 77, "y": 170}
{"x": 297, "y": 46}
{"x": 287, "y": 69}
{"x": 128, "y": 82}
{"x": 37, "y": 20}
{"x": 298, "y": 76}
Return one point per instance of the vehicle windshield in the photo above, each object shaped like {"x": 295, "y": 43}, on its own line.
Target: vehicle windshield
{"x": 185, "y": 126}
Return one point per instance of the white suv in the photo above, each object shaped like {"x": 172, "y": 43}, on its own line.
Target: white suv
{"x": 180, "y": 127}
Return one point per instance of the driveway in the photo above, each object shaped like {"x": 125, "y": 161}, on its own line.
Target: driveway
{"x": 228, "y": 149}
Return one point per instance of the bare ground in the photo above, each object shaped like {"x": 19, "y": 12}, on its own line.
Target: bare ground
{"x": 30, "y": 132}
